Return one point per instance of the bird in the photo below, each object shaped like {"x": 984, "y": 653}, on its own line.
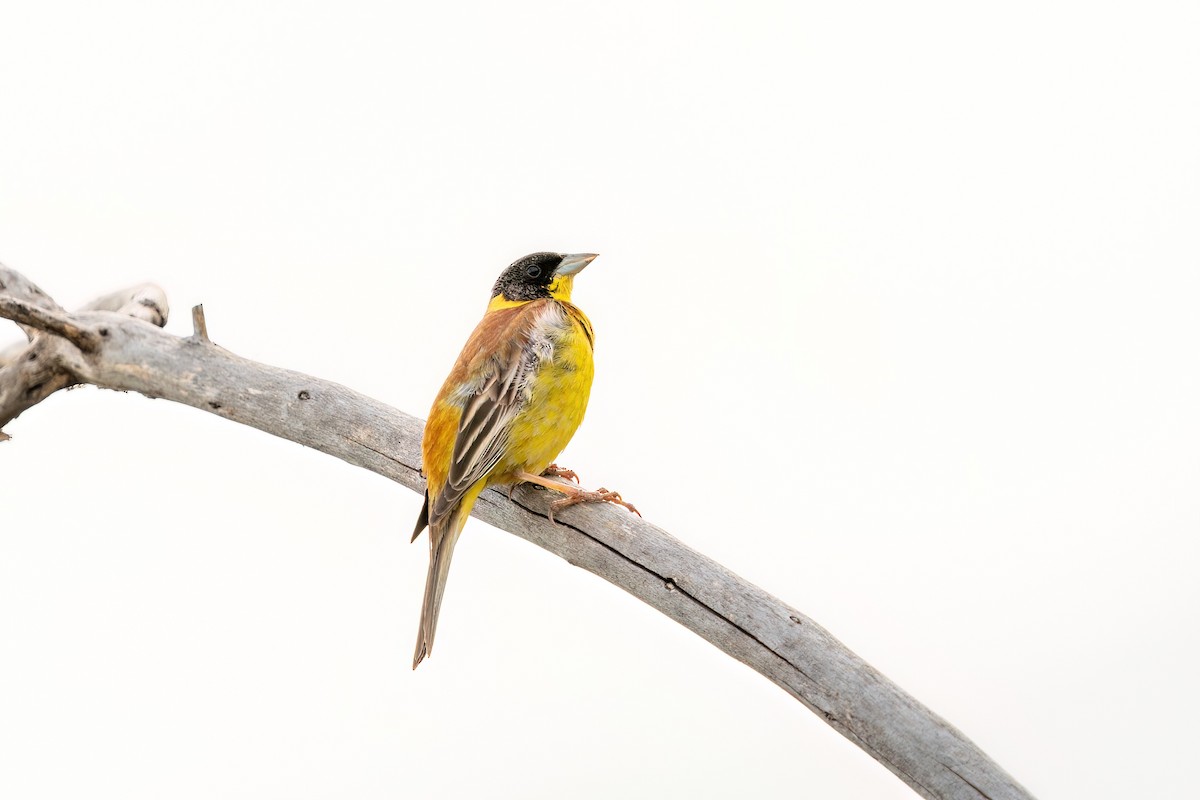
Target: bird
{"x": 512, "y": 401}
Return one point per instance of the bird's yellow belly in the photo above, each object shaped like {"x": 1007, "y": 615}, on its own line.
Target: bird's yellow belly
{"x": 559, "y": 399}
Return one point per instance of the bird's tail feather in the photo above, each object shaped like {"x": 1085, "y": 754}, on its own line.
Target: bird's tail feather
{"x": 441, "y": 550}
{"x": 443, "y": 535}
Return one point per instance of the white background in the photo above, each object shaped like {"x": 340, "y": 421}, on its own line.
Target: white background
{"x": 896, "y": 315}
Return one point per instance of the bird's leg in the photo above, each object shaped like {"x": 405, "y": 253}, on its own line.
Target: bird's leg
{"x": 555, "y": 471}
{"x": 575, "y": 495}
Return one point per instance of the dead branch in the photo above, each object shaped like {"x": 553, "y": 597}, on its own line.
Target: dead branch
{"x": 58, "y": 344}
{"x": 110, "y": 345}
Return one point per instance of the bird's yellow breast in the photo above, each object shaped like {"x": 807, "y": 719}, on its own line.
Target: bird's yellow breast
{"x": 558, "y": 398}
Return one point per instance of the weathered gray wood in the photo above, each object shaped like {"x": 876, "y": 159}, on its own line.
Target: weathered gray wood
{"x": 739, "y": 618}
{"x": 15, "y": 285}
{"x": 145, "y": 301}
{"x": 31, "y": 372}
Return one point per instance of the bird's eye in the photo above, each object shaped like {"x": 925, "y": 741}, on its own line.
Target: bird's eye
{"x": 533, "y": 271}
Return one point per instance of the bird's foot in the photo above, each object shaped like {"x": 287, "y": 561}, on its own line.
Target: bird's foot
{"x": 574, "y": 495}
{"x": 601, "y": 495}
{"x": 555, "y": 471}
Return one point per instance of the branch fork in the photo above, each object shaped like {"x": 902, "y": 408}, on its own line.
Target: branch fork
{"x": 59, "y": 345}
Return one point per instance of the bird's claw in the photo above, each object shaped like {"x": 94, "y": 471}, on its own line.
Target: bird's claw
{"x": 555, "y": 471}
{"x": 601, "y": 495}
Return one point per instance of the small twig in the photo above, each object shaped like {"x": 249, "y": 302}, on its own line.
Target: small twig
{"x": 50, "y": 322}
{"x": 199, "y": 326}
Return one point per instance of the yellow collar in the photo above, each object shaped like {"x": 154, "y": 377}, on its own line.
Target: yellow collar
{"x": 560, "y": 289}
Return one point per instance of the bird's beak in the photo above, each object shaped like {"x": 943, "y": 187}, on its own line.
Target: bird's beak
{"x": 574, "y": 263}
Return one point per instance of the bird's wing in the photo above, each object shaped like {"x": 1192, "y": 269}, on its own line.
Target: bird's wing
{"x": 488, "y": 410}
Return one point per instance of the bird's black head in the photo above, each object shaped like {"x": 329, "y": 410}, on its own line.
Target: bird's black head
{"x": 539, "y": 275}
